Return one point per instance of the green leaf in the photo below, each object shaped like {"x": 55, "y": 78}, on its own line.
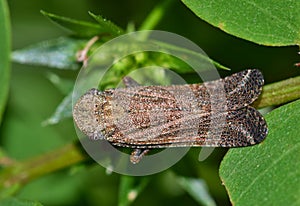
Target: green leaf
{"x": 5, "y": 43}
{"x": 269, "y": 173}
{"x": 107, "y": 26}
{"x": 62, "y": 84}
{"x": 183, "y": 51}
{"x": 63, "y": 111}
{"x": 18, "y": 202}
{"x": 272, "y": 23}
{"x": 78, "y": 28}
{"x": 58, "y": 53}
{"x": 130, "y": 188}
{"x": 156, "y": 15}
{"x": 86, "y": 29}
{"x": 197, "y": 188}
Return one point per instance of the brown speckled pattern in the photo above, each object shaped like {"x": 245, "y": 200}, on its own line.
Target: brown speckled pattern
{"x": 177, "y": 115}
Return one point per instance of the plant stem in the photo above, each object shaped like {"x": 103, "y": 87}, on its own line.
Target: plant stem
{"x": 5, "y": 47}
{"x": 155, "y": 16}
{"x": 279, "y": 93}
{"x": 19, "y": 173}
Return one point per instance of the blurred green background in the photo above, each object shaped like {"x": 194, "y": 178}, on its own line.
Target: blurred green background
{"x": 33, "y": 98}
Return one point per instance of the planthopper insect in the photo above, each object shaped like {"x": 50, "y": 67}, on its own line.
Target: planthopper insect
{"x": 212, "y": 114}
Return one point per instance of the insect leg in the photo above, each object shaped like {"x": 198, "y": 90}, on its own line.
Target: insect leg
{"x": 137, "y": 155}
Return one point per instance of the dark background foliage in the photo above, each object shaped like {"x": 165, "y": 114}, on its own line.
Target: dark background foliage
{"x": 33, "y": 98}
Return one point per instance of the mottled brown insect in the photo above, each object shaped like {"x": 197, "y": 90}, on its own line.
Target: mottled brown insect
{"x": 212, "y": 114}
